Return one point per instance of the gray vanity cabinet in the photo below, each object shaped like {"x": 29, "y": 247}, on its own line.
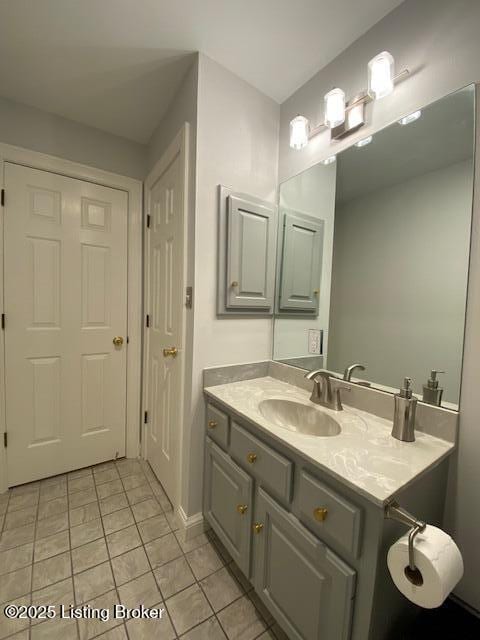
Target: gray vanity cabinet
{"x": 301, "y": 267}
{"x": 229, "y": 503}
{"x": 308, "y": 589}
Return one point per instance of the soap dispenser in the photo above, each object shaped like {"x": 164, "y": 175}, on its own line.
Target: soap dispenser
{"x": 432, "y": 393}
{"x": 404, "y": 413}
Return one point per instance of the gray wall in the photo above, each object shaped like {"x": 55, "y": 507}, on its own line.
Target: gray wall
{"x": 403, "y": 320}
{"x": 438, "y": 40}
{"x": 38, "y": 130}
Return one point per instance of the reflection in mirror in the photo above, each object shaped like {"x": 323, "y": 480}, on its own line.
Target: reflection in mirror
{"x": 373, "y": 254}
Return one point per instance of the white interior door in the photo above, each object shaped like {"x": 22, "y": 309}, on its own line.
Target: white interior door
{"x": 65, "y": 301}
{"x": 165, "y": 275}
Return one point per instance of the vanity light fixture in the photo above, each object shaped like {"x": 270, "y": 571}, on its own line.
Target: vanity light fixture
{"x": 342, "y": 117}
{"x": 329, "y": 160}
{"x": 364, "y": 142}
{"x": 410, "y": 118}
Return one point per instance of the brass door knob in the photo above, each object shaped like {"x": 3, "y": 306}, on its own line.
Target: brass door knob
{"x": 252, "y": 457}
{"x": 241, "y": 508}
{"x": 212, "y": 424}
{"x": 171, "y": 351}
{"x": 316, "y": 292}
{"x": 320, "y": 514}
{"x": 257, "y": 527}
{"x": 118, "y": 341}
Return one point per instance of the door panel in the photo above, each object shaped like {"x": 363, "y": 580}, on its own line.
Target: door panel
{"x": 308, "y": 589}
{"x": 227, "y": 487}
{"x": 65, "y": 300}
{"x": 165, "y": 268}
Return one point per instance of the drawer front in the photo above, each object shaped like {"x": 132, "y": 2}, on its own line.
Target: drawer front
{"x": 217, "y": 426}
{"x": 229, "y": 503}
{"x": 269, "y": 467}
{"x": 329, "y": 515}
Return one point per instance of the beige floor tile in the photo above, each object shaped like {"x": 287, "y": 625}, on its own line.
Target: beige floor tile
{"x": 113, "y": 503}
{"x": 128, "y": 467}
{"x": 132, "y": 482}
{"x": 84, "y": 514}
{"x": 109, "y": 488}
{"x": 117, "y": 633}
{"x": 221, "y": 589}
{"x": 130, "y": 565}
{"x": 122, "y": 541}
{"x": 23, "y": 501}
{"x": 15, "y": 584}
{"x": 80, "y": 498}
{"x": 50, "y": 492}
{"x": 89, "y": 555}
{"x": 208, "y": 630}
{"x": 52, "y": 525}
{"x": 16, "y": 537}
{"x": 56, "y": 629}
{"x": 139, "y": 493}
{"x": 149, "y": 629}
{"x": 188, "y": 608}
{"x": 241, "y": 621}
{"x": 16, "y": 558}
{"x": 25, "y": 488}
{"x": 105, "y": 475}
{"x": 94, "y": 627}
{"x": 153, "y": 528}
{"x": 93, "y": 582}
{"x": 60, "y": 593}
{"x": 79, "y": 473}
{"x": 87, "y": 532}
{"x": 142, "y": 590}
{"x": 118, "y": 520}
{"x": 52, "y": 546}
{"x": 52, "y": 570}
{"x": 10, "y": 626}
{"x": 83, "y": 483}
{"x": 20, "y": 518}
{"x": 204, "y": 560}
{"x": 192, "y": 543}
{"x": 174, "y": 576}
{"x": 52, "y": 507}
{"x": 163, "y": 550}
{"x": 146, "y": 509}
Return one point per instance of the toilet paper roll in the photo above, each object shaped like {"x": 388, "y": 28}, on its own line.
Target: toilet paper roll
{"x": 439, "y": 561}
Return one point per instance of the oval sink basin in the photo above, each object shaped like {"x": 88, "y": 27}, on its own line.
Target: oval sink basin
{"x": 299, "y": 418}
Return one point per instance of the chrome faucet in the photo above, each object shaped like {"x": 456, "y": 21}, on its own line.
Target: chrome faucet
{"x": 347, "y": 374}
{"x": 322, "y": 390}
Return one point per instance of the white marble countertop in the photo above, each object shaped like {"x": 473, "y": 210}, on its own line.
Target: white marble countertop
{"x": 364, "y": 455}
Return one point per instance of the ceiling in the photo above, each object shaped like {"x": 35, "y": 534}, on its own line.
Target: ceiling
{"x": 116, "y": 64}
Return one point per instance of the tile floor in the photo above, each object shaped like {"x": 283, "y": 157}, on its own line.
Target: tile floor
{"x": 105, "y": 535}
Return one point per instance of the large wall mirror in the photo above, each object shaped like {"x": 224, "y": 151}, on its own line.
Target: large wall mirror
{"x": 373, "y": 254}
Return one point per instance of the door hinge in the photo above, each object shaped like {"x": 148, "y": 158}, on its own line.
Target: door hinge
{"x": 148, "y": 221}
{"x": 2, "y": 198}
{"x": 147, "y": 320}
{"x": 3, "y": 321}
{"x": 5, "y": 439}
{"x": 145, "y": 417}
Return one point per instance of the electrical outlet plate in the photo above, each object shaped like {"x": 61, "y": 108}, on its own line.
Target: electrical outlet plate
{"x": 315, "y": 342}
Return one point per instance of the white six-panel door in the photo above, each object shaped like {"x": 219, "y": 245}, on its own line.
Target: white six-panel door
{"x": 65, "y": 302}
{"x": 165, "y": 351}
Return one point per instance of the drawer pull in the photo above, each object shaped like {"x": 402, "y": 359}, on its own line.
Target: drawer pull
{"x": 252, "y": 457}
{"x": 257, "y": 527}
{"x": 241, "y": 508}
{"x": 212, "y": 424}
{"x": 320, "y": 514}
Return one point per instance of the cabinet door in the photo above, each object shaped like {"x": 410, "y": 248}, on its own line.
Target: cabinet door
{"x": 228, "y": 504}
{"x": 308, "y": 589}
{"x": 301, "y": 263}
{"x": 250, "y": 254}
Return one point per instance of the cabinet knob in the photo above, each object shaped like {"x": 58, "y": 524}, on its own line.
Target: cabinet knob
{"x": 252, "y": 457}
{"x": 241, "y": 508}
{"x": 257, "y": 527}
{"x": 320, "y": 514}
{"x": 316, "y": 292}
{"x": 212, "y": 424}
{"x": 234, "y": 284}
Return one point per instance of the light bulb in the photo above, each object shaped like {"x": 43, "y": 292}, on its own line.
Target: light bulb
{"x": 364, "y": 142}
{"x": 381, "y": 72}
{"x": 299, "y": 129}
{"x": 334, "y": 108}
{"x": 410, "y": 118}
{"x": 329, "y": 160}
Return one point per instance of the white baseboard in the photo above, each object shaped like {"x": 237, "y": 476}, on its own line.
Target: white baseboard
{"x": 191, "y": 526}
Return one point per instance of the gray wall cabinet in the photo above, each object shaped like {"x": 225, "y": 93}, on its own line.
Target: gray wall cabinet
{"x": 301, "y": 263}
{"x": 313, "y": 548}
{"x": 246, "y": 250}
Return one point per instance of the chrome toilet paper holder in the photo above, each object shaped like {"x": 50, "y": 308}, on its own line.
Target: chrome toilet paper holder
{"x": 394, "y": 511}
